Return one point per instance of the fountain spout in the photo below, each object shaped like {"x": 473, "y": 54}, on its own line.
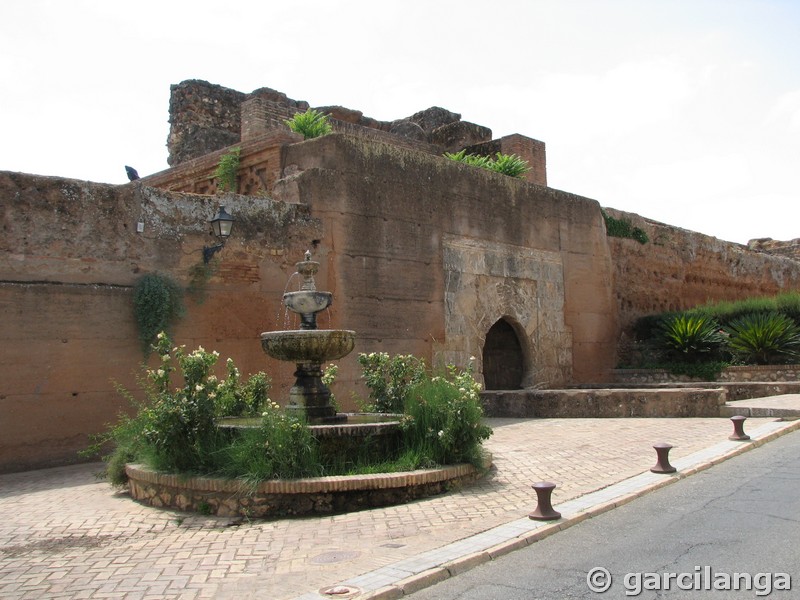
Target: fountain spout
{"x": 307, "y": 302}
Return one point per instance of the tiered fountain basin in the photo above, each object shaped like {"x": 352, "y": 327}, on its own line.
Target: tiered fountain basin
{"x": 351, "y": 434}
{"x": 308, "y": 345}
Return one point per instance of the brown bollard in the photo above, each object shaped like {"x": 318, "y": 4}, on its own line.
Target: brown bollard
{"x": 544, "y": 508}
{"x": 738, "y": 429}
{"x": 663, "y": 466}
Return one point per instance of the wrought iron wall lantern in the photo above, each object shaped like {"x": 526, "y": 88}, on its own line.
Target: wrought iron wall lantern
{"x": 222, "y": 224}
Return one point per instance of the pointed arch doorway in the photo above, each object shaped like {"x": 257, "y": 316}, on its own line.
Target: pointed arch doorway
{"x": 503, "y": 357}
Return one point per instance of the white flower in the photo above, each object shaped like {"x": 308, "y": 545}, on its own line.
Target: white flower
{"x": 215, "y": 353}
{"x": 160, "y": 372}
{"x": 198, "y": 388}
{"x": 160, "y": 335}
{"x": 441, "y": 433}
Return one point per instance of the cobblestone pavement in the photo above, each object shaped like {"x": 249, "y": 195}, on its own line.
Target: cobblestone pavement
{"x": 63, "y": 534}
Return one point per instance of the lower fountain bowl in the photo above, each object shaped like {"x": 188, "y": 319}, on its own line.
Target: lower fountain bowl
{"x": 308, "y": 345}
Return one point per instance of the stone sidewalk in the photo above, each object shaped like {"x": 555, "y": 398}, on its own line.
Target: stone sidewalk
{"x": 65, "y": 535}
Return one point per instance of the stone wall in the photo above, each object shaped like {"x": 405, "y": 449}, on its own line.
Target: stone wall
{"x": 69, "y": 256}
{"x": 603, "y": 403}
{"x": 679, "y": 269}
{"x": 739, "y": 374}
{"x": 423, "y": 255}
{"x": 790, "y": 248}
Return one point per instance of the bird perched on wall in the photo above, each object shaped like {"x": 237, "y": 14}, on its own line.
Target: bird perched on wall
{"x": 132, "y": 174}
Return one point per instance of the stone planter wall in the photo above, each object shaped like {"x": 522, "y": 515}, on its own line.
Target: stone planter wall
{"x": 603, "y": 403}
{"x": 278, "y": 498}
{"x": 730, "y": 374}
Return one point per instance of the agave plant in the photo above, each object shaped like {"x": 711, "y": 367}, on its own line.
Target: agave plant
{"x": 510, "y": 164}
{"x": 506, "y": 164}
{"x": 764, "y": 338}
{"x": 689, "y": 337}
{"x": 310, "y": 124}
{"x": 474, "y": 160}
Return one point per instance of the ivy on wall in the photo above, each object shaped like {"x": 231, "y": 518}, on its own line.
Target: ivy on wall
{"x": 157, "y": 305}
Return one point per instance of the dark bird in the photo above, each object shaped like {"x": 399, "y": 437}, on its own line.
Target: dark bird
{"x": 132, "y": 174}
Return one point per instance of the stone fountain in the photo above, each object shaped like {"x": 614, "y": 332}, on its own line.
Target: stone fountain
{"x": 342, "y": 437}
{"x": 309, "y": 347}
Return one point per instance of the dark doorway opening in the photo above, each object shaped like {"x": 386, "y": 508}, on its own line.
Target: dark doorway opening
{"x": 502, "y": 358}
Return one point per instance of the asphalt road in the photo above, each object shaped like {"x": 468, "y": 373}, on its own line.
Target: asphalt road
{"x": 688, "y": 540}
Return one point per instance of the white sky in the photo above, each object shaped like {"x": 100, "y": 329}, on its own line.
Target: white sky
{"x": 683, "y": 111}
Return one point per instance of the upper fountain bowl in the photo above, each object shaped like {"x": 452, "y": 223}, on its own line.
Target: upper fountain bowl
{"x": 308, "y": 346}
{"x": 306, "y": 302}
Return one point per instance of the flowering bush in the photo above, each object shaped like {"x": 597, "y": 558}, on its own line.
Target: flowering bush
{"x": 390, "y": 379}
{"x": 443, "y": 419}
{"x": 174, "y": 429}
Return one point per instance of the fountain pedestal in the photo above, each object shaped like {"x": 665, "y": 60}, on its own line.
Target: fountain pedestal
{"x": 310, "y": 397}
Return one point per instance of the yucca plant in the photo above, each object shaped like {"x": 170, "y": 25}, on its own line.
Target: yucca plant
{"x": 691, "y": 337}
{"x": 310, "y": 124}
{"x": 764, "y": 338}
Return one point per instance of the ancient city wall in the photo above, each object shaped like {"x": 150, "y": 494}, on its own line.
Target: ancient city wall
{"x": 423, "y": 256}
{"x": 680, "y": 269}
{"x": 427, "y": 254}
{"x": 69, "y": 256}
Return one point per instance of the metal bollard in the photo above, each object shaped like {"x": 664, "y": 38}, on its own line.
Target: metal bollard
{"x": 663, "y": 466}
{"x": 544, "y": 509}
{"x": 738, "y": 429}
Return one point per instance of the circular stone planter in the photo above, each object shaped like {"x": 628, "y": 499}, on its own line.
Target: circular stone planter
{"x": 293, "y": 497}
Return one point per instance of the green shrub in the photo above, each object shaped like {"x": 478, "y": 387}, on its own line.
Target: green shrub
{"x": 389, "y": 379}
{"x": 442, "y": 421}
{"x": 174, "y": 428}
{"x": 180, "y": 428}
{"x": 689, "y": 338}
{"x": 727, "y": 311}
{"x": 282, "y": 447}
{"x": 623, "y": 228}
{"x": 227, "y": 171}
{"x": 157, "y": 305}
{"x": 764, "y": 338}
{"x": 310, "y": 124}
{"x": 234, "y": 399}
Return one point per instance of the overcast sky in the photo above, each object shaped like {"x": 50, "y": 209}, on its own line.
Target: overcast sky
{"x": 683, "y": 111}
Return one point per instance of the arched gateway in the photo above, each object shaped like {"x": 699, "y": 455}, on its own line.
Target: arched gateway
{"x": 503, "y": 358}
